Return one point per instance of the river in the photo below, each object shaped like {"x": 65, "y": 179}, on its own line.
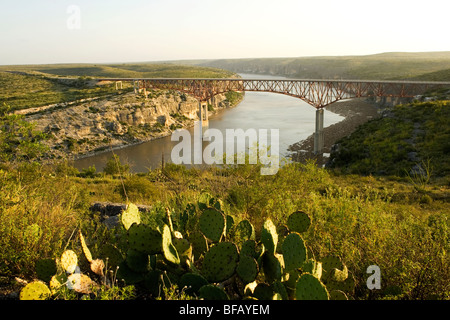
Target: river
{"x": 294, "y": 118}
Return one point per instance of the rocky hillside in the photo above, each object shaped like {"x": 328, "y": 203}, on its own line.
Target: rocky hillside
{"x": 91, "y": 126}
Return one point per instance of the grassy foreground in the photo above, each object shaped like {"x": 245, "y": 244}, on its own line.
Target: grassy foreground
{"x": 364, "y": 220}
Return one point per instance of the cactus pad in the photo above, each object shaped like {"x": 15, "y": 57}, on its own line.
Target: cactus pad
{"x": 269, "y": 236}
{"x": 333, "y": 269}
{"x": 69, "y": 261}
{"x": 299, "y": 221}
{"x": 183, "y": 247}
{"x": 263, "y": 291}
{"x": 199, "y": 244}
{"x": 36, "y": 290}
{"x": 57, "y": 283}
{"x": 112, "y": 255}
{"x": 137, "y": 261}
{"x": 220, "y": 262}
{"x": 81, "y": 283}
{"x": 130, "y": 216}
{"x": 45, "y": 269}
{"x": 244, "y": 231}
{"x": 86, "y": 251}
{"x": 338, "y": 295}
{"x": 294, "y": 251}
{"x": 247, "y": 268}
{"x": 129, "y": 276}
{"x": 169, "y": 250}
{"x": 313, "y": 267}
{"x": 191, "y": 283}
{"x": 211, "y": 292}
{"x": 309, "y": 287}
{"x": 212, "y": 224}
{"x": 272, "y": 266}
{"x": 145, "y": 239}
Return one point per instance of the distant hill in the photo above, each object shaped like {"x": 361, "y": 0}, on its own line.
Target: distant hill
{"x": 442, "y": 75}
{"x": 123, "y": 70}
{"x": 29, "y": 86}
{"x": 383, "y": 66}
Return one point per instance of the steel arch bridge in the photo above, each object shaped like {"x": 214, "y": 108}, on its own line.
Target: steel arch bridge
{"x": 317, "y": 92}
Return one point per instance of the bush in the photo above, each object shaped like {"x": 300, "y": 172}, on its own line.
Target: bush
{"x": 114, "y": 166}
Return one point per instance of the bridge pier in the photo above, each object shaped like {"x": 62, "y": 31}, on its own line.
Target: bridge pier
{"x": 318, "y": 135}
{"x": 203, "y": 116}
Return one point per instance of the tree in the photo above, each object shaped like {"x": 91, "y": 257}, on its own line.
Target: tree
{"x": 114, "y": 166}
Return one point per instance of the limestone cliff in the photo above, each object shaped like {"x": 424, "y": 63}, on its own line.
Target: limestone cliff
{"x": 87, "y": 127}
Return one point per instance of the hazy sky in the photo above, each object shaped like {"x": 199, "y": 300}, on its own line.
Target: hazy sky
{"x": 59, "y": 31}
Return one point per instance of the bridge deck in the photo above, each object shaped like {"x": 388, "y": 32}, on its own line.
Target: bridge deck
{"x": 317, "y": 92}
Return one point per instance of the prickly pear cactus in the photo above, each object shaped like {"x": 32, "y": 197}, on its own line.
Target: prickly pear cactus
{"x": 299, "y": 221}
{"x": 294, "y": 251}
{"x": 145, "y": 239}
{"x": 199, "y": 244}
{"x": 212, "y": 224}
{"x": 244, "y": 231}
{"x": 86, "y": 251}
{"x": 45, "y": 269}
{"x": 80, "y": 283}
{"x": 269, "y": 236}
{"x": 69, "y": 261}
{"x": 338, "y": 295}
{"x": 191, "y": 283}
{"x": 247, "y": 268}
{"x": 211, "y": 292}
{"x": 36, "y": 290}
{"x": 333, "y": 269}
{"x": 184, "y": 248}
{"x": 169, "y": 250}
{"x": 137, "y": 260}
{"x": 130, "y": 216}
{"x": 309, "y": 287}
{"x": 220, "y": 262}
{"x": 313, "y": 267}
{"x": 280, "y": 290}
{"x": 112, "y": 255}
{"x": 58, "y": 283}
{"x": 272, "y": 266}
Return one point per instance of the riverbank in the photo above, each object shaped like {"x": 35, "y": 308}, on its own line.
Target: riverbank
{"x": 89, "y": 128}
{"x": 355, "y": 111}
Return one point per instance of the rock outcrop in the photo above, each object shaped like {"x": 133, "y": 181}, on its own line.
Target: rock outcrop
{"x": 89, "y": 127}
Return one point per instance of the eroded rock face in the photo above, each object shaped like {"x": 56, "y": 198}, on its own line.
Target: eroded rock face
{"x": 89, "y": 126}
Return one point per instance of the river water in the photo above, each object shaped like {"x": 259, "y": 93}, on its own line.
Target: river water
{"x": 294, "y": 118}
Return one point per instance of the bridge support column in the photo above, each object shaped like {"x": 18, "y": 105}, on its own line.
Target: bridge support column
{"x": 318, "y": 135}
{"x": 203, "y": 116}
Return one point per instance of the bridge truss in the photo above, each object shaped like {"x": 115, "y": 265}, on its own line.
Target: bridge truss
{"x": 318, "y": 93}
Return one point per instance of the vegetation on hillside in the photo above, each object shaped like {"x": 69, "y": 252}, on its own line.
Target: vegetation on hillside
{"x": 386, "y": 66}
{"x": 408, "y": 138}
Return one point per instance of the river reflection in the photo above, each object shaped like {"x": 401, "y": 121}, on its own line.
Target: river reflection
{"x": 294, "y": 118}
